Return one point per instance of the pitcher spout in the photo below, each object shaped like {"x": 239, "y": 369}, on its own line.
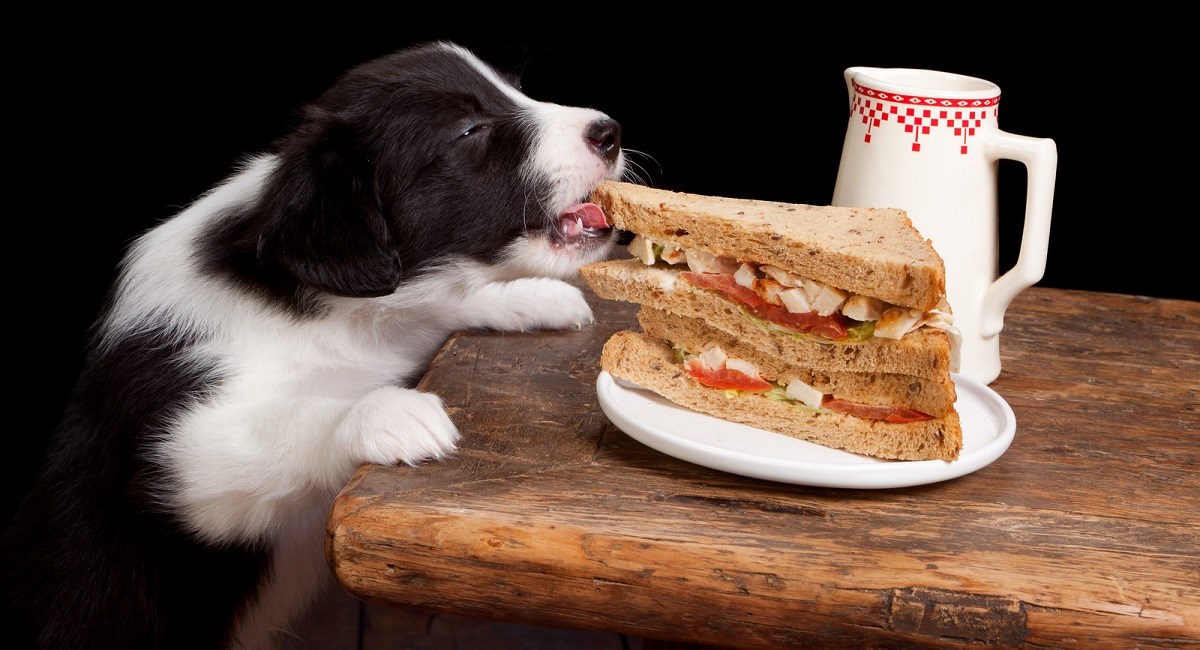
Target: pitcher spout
{"x": 849, "y": 74}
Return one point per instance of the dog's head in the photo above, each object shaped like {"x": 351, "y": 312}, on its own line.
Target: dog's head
{"x": 427, "y": 158}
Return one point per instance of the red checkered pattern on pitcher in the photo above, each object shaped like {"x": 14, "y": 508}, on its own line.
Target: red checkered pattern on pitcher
{"x": 871, "y": 116}
{"x": 917, "y": 124}
{"x": 918, "y": 120}
{"x": 964, "y": 124}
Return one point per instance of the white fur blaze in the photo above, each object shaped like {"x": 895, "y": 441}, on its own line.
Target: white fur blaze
{"x": 561, "y": 154}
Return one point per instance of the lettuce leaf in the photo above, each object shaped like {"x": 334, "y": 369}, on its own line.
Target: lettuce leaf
{"x": 854, "y": 334}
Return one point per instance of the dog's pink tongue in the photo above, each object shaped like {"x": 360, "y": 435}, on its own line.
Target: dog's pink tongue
{"x": 589, "y": 213}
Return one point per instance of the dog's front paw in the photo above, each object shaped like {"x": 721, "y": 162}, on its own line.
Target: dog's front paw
{"x": 532, "y": 304}
{"x": 398, "y": 425}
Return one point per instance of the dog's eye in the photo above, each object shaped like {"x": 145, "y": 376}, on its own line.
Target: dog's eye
{"x": 472, "y": 130}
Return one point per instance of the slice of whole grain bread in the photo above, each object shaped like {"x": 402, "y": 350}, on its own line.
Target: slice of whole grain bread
{"x": 652, "y": 364}
{"x": 925, "y": 352}
{"x": 933, "y": 396}
{"x": 875, "y": 252}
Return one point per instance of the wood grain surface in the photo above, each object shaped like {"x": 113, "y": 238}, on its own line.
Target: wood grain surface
{"x": 1084, "y": 534}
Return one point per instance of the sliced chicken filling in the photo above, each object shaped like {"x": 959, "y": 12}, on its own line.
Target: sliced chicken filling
{"x": 775, "y": 287}
{"x": 713, "y": 368}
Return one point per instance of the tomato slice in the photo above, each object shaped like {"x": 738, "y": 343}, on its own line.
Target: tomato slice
{"x": 832, "y": 327}
{"x": 724, "y": 377}
{"x": 891, "y": 414}
{"x": 725, "y": 283}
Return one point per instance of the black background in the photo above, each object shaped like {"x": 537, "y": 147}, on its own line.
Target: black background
{"x": 114, "y": 127}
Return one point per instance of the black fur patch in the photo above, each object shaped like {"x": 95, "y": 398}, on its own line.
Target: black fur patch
{"x": 92, "y": 560}
{"x": 406, "y": 160}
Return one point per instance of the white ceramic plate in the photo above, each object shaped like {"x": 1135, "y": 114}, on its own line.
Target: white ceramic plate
{"x": 988, "y": 427}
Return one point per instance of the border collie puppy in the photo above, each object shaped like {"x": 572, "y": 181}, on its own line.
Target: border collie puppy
{"x": 261, "y": 344}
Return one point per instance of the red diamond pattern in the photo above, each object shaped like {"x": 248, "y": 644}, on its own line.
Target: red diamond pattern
{"x": 870, "y": 104}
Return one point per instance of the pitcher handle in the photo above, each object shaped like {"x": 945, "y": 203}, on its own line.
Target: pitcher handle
{"x": 1040, "y": 157}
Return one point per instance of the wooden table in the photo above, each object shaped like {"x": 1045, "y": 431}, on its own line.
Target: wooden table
{"x": 1084, "y": 534}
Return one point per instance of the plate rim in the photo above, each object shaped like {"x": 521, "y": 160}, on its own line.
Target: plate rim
{"x": 841, "y": 475}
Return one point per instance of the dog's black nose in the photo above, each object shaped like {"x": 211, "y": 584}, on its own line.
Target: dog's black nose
{"x": 604, "y": 137}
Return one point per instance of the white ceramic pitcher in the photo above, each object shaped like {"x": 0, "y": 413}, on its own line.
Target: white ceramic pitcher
{"x": 927, "y": 141}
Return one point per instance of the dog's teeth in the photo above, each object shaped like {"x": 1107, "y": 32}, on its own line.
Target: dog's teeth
{"x": 571, "y": 227}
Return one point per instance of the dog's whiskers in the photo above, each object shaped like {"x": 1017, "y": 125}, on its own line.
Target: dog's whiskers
{"x": 635, "y": 171}
{"x": 525, "y": 212}
{"x": 541, "y": 201}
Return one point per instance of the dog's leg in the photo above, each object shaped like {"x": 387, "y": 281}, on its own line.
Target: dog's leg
{"x": 267, "y": 472}
{"x": 527, "y": 304}
{"x": 297, "y": 575}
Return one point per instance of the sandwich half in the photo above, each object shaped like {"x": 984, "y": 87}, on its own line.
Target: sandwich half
{"x": 822, "y": 323}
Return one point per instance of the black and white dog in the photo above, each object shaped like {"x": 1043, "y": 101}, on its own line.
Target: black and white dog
{"x": 259, "y": 345}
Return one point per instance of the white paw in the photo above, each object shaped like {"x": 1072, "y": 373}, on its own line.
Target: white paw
{"x": 534, "y": 304}
{"x": 398, "y": 425}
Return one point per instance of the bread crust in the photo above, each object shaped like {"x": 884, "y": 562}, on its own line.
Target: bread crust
{"x": 924, "y": 353}
{"x": 875, "y": 252}
{"x": 652, "y": 364}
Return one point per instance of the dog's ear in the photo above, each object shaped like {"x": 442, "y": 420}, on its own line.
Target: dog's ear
{"x": 324, "y": 222}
